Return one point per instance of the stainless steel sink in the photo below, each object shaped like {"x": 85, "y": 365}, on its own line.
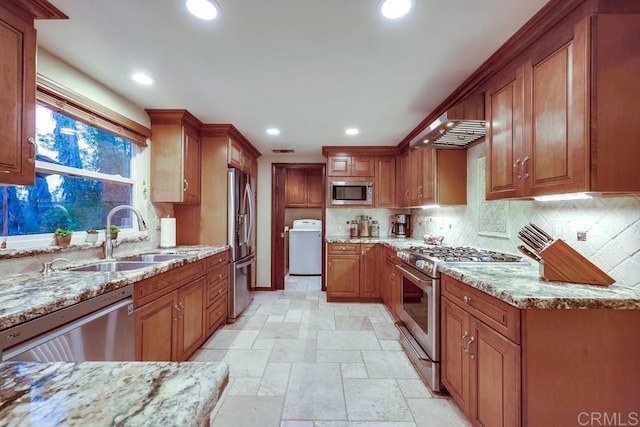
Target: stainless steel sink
{"x": 153, "y": 257}
{"x": 113, "y": 266}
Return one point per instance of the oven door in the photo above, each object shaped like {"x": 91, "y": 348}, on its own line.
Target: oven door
{"x": 420, "y": 309}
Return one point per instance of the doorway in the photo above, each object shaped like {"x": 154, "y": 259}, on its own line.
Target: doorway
{"x": 295, "y": 197}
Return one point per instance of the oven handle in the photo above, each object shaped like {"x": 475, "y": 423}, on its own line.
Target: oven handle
{"x": 413, "y": 277}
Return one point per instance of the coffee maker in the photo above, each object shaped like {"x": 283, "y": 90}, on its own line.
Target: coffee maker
{"x": 400, "y": 225}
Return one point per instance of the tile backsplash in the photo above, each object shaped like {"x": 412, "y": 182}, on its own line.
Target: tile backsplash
{"x": 611, "y": 224}
{"x": 337, "y": 219}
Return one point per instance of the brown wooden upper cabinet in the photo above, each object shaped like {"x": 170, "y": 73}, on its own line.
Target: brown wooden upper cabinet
{"x": 429, "y": 176}
{"x": 303, "y": 188}
{"x": 239, "y": 156}
{"x": 175, "y": 156}
{"x": 342, "y": 165}
{"x": 564, "y": 118}
{"x": 384, "y": 189}
{"x": 18, "y": 65}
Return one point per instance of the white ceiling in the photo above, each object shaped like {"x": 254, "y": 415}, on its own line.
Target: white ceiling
{"x": 309, "y": 67}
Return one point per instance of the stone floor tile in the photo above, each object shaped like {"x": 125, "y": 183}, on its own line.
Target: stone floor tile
{"x": 388, "y": 364}
{"x": 279, "y": 330}
{"x": 436, "y": 413}
{"x": 244, "y": 386}
{"x": 231, "y": 339}
{"x": 264, "y": 344}
{"x": 275, "y": 379}
{"x": 390, "y": 345}
{"x": 318, "y": 320}
{"x": 248, "y": 411}
{"x": 208, "y": 355}
{"x": 353, "y": 370}
{"x": 293, "y": 350}
{"x": 315, "y": 393}
{"x": 386, "y": 331}
{"x": 413, "y": 388}
{"x": 293, "y": 315}
{"x": 353, "y": 323}
{"x": 247, "y": 363}
{"x": 247, "y": 322}
{"x": 375, "y": 400}
{"x": 347, "y": 340}
{"x": 342, "y": 356}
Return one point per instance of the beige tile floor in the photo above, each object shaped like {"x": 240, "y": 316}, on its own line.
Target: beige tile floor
{"x": 297, "y": 361}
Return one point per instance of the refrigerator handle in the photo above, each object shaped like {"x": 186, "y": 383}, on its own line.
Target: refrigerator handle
{"x": 249, "y": 196}
{"x": 246, "y": 263}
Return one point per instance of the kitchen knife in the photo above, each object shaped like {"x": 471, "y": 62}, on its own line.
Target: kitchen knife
{"x": 529, "y": 253}
{"x": 541, "y": 232}
{"x": 533, "y": 235}
{"x": 531, "y": 243}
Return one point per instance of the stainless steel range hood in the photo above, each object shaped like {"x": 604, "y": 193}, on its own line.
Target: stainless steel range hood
{"x": 456, "y": 128}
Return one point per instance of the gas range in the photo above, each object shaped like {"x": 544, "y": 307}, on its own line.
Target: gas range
{"x": 427, "y": 258}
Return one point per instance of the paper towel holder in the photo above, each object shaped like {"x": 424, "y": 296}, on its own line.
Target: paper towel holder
{"x": 168, "y": 232}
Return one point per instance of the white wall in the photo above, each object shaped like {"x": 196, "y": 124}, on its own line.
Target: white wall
{"x": 612, "y": 224}
{"x": 264, "y": 209}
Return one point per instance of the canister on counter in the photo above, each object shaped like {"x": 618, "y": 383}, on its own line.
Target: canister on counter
{"x": 375, "y": 229}
{"x": 353, "y": 228}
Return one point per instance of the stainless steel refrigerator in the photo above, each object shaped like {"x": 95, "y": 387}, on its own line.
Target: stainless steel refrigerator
{"x": 241, "y": 238}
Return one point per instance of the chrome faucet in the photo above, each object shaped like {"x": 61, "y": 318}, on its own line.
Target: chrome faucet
{"x": 108, "y": 244}
{"x": 47, "y": 267}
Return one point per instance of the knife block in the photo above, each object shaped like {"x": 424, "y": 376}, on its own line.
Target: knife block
{"x": 560, "y": 262}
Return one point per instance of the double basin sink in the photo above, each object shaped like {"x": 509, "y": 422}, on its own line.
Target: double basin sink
{"x": 128, "y": 263}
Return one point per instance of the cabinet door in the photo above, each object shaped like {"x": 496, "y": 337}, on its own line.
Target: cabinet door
{"x": 363, "y": 166}
{"x": 405, "y": 177}
{"x": 504, "y": 139}
{"x": 339, "y": 166}
{"x": 343, "y": 276}
{"x": 385, "y": 185}
{"x": 455, "y": 361}
{"x": 17, "y": 111}
{"x": 295, "y": 188}
{"x": 428, "y": 170}
{"x": 556, "y": 134}
{"x": 235, "y": 155}
{"x": 191, "y": 317}
{"x": 191, "y": 166}
{"x": 315, "y": 187}
{"x": 370, "y": 271}
{"x": 416, "y": 178}
{"x": 155, "y": 329}
{"x": 495, "y": 378}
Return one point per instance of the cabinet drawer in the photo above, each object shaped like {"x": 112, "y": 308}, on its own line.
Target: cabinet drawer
{"x": 216, "y": 314}
{"x": 216, "y": 260}
{"x": 344, "y": 248}
{"x": 497, "y": 314}
{"x": 154, "y": 287}
{"x": 216, "y": 287}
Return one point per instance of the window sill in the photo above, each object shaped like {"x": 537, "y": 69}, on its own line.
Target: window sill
{"x": 73, "y": 247}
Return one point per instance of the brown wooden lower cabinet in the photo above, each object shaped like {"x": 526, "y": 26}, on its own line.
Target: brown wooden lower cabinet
{"x": 390, "y": 281}
{"x": 506, "y": 366}
{"x": 353, "y": 272}
{"x": 181, "y": 309}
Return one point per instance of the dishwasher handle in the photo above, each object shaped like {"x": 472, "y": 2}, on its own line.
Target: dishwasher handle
{"x": 54, "y": 333}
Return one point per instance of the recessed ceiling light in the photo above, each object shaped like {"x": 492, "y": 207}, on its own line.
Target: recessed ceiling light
{"x": 273, "y": 131}
{"x": 352, "y": 131}
{"x": 203, "y": 9}
{"x": 394, "y": 9}
{"x": 142, "y": 78}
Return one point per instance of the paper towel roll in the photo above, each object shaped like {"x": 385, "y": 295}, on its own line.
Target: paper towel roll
{"x": 167, "y": 232}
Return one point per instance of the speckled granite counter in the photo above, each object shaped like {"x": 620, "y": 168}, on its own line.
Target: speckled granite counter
{"x": 520, "y": 285}
{"x": 110, "y": 393}
{"x": 26, "y": 296}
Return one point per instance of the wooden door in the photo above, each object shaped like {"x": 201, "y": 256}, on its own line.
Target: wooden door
{"x": 315, "y": 187}
{"x": 191, "y": 317}
{"x": 339, "y": 166}
{"x": 17, "y": 111}
{"x": 556, "y": 111}
{"x": 155, "y": 328}
{"x": 191, "y": 165}
{"x": 363, "y": 166}
{"x": 295, "y": 188}
{"x": 370, "y": 270}
{"x": 504, "y": 140}
{"x": 343, "y": 276}
{"x": 494, "y": 377}
{"x": 455, "y": 361}
{"x": 385, "y": 186}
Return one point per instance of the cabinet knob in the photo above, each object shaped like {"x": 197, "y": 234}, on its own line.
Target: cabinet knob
{"x": 466, "y": 349}
{"x": 466, "y": 299}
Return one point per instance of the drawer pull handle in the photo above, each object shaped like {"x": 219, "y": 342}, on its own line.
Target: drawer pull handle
{"x": 466, "y": 299}
{"x": 466, "y": 334}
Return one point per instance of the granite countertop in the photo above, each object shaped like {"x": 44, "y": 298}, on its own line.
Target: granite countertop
{"x": 110, "y": 393}
{"x": 520, "y": 284}
{"x": 30, "y": 295}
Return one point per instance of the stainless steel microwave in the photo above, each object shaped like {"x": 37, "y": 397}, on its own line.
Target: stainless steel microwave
{"x": 351, "y": 193}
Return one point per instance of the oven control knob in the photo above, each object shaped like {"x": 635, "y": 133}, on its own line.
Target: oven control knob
{"x": 402, "y": 255}
{"x": 421, "y": 264}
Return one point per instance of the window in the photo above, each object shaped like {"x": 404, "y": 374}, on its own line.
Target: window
{"x": 82, "y": 171}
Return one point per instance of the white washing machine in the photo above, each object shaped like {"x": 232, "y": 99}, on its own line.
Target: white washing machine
{"x": 305, "y": 247}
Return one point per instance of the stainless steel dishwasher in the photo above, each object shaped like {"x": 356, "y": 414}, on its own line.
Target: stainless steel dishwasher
{"x": 99, "y": 329}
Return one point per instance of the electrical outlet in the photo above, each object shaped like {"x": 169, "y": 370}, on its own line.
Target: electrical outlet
{"x": 582, "y": 236}
{"x": 557, "y": 229}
